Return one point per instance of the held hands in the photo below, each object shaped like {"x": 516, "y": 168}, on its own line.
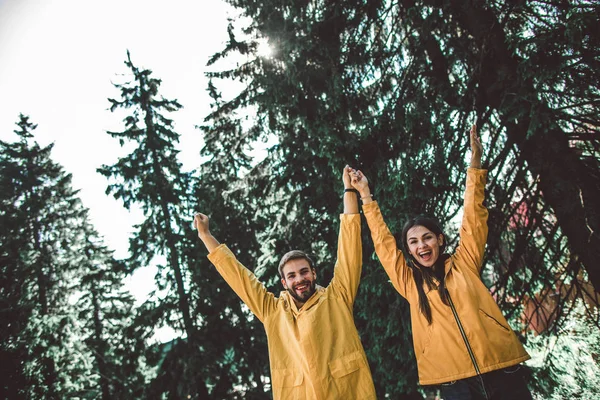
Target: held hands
{"x": 360, "y": 183}
{"x": 476, "y": 148}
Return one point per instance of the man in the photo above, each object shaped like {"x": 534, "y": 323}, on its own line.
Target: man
{"x": 314, "y": 348}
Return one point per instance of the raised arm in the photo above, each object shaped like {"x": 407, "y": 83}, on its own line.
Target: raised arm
{"x": 350, "y": 200}
{"x": 474, "y": 229}
{"x": 387, "y": 251}
{"x": 348, "y": 266}
{"x": 476, "y": 148}
{"x": 243, "y": 282}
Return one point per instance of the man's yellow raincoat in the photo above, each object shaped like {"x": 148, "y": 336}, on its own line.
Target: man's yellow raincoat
{"x": 471, "y": 336}
{"x": 315, "y": 352}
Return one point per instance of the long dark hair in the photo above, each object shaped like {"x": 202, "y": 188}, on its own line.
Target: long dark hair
{"x": 423, "y": 275}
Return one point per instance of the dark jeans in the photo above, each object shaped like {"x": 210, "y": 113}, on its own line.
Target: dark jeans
{"x": 503, "y": 384}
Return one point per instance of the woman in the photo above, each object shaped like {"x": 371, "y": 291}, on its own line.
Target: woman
{"x": 460, "y": 337}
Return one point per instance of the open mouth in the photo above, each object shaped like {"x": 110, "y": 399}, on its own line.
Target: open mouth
{"x": 426, "y": 255}
{"x": 305, "y": 287}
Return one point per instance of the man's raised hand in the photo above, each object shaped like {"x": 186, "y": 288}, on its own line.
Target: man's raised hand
{"x": 201, "y": 223}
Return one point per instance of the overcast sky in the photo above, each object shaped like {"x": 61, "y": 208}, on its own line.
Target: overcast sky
{"x": 57, "y": 61}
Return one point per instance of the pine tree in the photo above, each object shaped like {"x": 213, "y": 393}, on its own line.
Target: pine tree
{"x": 151, "y": 178}
{"x": 41, "y": 213}
{"x": 107, "y": 324}
{"x": 237, "y": 340}
{"x": 15, "y": 311}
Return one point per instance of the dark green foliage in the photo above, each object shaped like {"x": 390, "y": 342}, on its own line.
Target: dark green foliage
{"x": 40, "y": 211}
{"x": 232, "y": 338}
{"x": 14, "y": 311}
{"x": 106, "y": 314}
{"x": 150, "y": 177}
{"x": 47, "y": 261}
{"x": 223, "y": 354}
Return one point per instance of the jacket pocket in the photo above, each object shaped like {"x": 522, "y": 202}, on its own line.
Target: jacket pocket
{"x": 286, "y": 378}
{"x": 346, "y": 365}
{"x": 494, "y": 320}
{"x": 351, "y": 378}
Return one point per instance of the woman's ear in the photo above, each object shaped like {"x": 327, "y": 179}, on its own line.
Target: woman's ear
{"x": 440, "y": 240}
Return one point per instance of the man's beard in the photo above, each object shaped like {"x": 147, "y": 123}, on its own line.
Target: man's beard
{"x": 306, "y": 295}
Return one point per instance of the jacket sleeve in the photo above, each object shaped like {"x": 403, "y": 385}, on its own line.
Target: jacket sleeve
{"x": 348, "y": 266}
{"x": 474, "y": 228}
{"x": 387, "y": 251}
{"x": 243, "y": 282}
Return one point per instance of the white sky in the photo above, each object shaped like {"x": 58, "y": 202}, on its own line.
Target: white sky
{"x": 57, "y": 61}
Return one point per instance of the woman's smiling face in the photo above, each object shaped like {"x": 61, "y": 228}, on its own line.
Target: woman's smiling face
{"x": 424, "y": 245}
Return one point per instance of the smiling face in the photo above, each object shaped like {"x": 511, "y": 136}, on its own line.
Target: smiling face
{"x": 424, "y": 245}
{"x": 299, "y": 279}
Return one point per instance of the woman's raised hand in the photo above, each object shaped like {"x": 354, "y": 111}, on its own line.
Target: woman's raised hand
{"x": 476, "y": 148}
{"x": 361, "y": 183}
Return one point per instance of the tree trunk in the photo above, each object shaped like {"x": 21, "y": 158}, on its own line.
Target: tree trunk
{"x": 98, "y": 353}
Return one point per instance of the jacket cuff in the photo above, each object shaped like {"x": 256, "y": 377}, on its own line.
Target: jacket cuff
{"x": 370, "y": 207}
{"x": 477, "y": 171}
{"x": 348, "y": 218}
{"x": 477, "y": 175}
{"x": 219, "y": 253}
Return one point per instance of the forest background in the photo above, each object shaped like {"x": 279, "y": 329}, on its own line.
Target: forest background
{"x": 387, "y": 87}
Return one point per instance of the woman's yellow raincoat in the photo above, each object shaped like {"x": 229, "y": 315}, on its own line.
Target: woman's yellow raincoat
{"x": 471, "y": 336}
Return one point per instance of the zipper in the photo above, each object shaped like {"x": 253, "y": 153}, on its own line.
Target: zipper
{"x": 467, "y": 344}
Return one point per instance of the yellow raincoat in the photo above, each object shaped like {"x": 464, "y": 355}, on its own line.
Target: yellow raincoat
{"x": 315, "y": 352}
{"x": 477, "y": 339}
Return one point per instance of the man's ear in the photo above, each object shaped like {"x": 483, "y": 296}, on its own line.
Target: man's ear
{"x": 314, "y": 271}
{"x": 283, "y": 283}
